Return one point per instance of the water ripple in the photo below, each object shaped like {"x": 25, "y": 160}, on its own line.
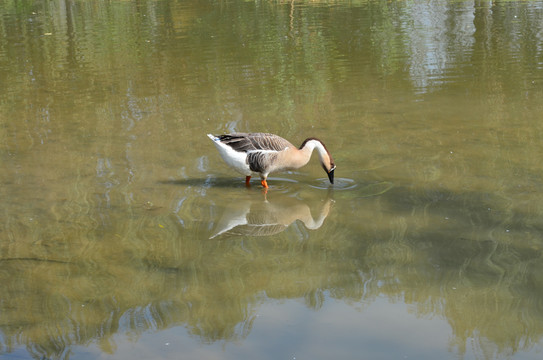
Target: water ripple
{"x": 339, "y": 184}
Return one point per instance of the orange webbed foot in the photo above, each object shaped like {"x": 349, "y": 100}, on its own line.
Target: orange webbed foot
{"x": 264, "y": 183}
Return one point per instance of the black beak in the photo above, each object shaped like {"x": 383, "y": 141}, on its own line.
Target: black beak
{"x": 331, "y": 175}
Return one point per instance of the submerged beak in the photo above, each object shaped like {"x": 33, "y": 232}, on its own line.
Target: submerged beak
{"x": 331, "y": 175}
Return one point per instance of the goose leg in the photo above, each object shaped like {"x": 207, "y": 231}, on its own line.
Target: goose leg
{"x": 264, "y": 183}
{"x": 248, "y": 181}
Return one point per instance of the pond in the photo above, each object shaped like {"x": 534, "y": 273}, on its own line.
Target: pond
{"x": 124, "y": 235}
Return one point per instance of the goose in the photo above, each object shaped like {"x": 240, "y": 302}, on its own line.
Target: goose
{"x": 262, "y": 154}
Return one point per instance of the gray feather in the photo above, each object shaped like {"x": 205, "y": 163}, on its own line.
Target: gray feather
{"x": 254, "y": 141}
{"x": 260, "y": 161}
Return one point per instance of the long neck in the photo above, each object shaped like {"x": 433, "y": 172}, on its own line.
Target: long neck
{"x": 296, "y": 158}
{"x": 313, "y": 144}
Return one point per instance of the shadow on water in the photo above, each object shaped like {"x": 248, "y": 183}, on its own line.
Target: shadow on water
{"x": 207, "y": 182}
{"x": 235, "y": 182}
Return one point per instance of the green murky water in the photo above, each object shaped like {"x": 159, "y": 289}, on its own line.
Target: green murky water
{"x": 123, "y": 235}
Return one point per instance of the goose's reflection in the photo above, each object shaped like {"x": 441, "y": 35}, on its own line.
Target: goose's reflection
{"x": 257, "y": 216}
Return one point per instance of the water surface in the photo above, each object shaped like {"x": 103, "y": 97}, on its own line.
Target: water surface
{"x": 123, "y": 235}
